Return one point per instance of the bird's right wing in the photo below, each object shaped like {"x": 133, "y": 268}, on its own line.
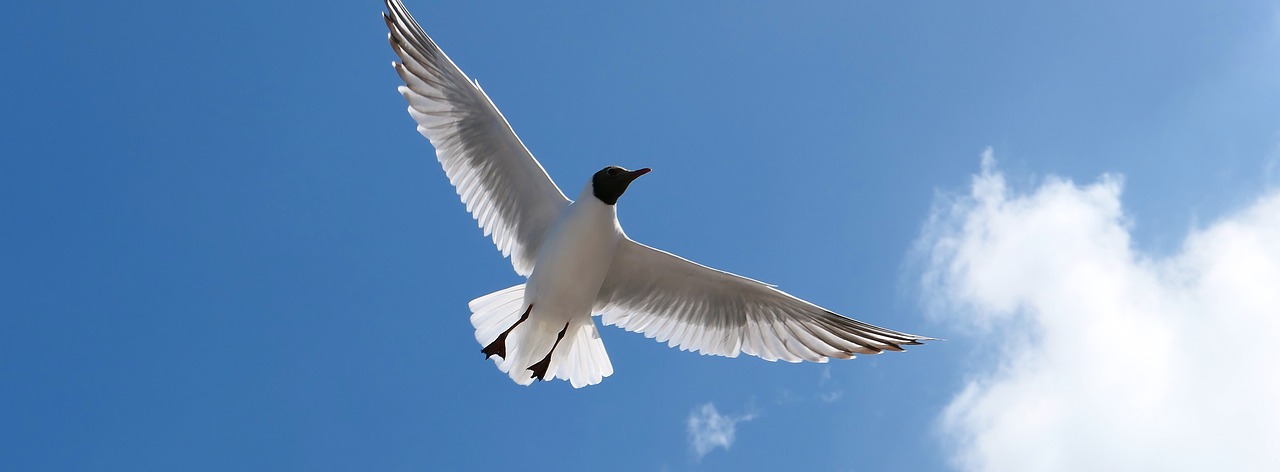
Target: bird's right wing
{"x": 695, "y": 307}
{"x": 502, "y": 185}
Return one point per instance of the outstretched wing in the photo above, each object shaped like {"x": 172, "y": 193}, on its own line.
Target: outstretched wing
{"x": 502, "y": 185}
{"x": 695, "y": 307}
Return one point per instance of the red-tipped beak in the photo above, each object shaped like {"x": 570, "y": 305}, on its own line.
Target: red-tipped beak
{"x": 639, "y": 172}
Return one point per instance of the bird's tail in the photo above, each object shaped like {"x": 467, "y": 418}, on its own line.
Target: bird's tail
{"x": 528, "y": 347}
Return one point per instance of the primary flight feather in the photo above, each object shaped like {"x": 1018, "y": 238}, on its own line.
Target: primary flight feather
{"x": 578, "y": 260}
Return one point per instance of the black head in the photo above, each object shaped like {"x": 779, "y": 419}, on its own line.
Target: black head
{"x": 610, "y": 182}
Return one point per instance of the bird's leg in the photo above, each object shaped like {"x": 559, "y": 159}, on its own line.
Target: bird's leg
{"x": 540, "y": 369}
{"x": 499, "y": 346}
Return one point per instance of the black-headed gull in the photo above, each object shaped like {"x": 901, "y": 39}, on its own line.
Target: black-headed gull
{"x": 578, "y": 260}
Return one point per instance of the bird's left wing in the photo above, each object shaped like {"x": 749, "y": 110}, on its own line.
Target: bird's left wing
{"x": 695, "y": 307}
{"x": 503, "y": 186}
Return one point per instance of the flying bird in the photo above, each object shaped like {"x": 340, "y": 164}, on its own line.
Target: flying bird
{"x": 577, "y": 259}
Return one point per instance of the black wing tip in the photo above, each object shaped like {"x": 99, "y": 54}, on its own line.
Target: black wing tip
{"x": 389, "y": 16}
{"x": 898, "y": 336}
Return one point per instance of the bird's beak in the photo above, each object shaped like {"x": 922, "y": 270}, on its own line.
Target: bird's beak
{"x": 638, "y": 172}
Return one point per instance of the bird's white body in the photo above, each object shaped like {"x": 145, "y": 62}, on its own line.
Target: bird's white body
{"x": 562, "y": 290}
{"x": 578, "y": 259}
{"x": 574, "y": 260}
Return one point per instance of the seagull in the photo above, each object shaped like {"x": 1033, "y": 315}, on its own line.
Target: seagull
{"x": 577, "y": 260}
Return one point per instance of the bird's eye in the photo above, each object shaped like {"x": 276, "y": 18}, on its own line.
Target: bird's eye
{"x": 612, "y": 171}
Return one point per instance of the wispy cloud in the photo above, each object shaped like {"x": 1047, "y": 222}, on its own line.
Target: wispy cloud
{"x": 830, "y": 396}
{"x": 708, "y": 429}
{"x": 1271, "y": 168}
{"x": 828, "y": 391}
{"x": 1107, "y": 358}
{"x": 787, "y": 397}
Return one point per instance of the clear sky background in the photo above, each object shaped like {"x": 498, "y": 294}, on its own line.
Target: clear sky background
{"x": 226, "y": 248}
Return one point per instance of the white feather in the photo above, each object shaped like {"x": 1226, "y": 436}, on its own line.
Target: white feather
{"x": 672, "y": 299}
{"x": 499, "y": 181}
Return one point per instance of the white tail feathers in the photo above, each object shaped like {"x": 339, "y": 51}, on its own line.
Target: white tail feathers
{"x": 494, "y": 313}
{"x": 579, "y": 357}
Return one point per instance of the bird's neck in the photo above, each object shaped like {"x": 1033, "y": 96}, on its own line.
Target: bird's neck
{"x": 589, "y": 195}
{"x": 587, "y": 203}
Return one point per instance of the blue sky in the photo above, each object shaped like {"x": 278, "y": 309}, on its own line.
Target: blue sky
{"x": 226, "y": 248}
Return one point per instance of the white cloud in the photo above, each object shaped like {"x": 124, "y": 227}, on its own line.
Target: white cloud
{"x": 708, "y": 429}
{"x": 1103, "y": 357}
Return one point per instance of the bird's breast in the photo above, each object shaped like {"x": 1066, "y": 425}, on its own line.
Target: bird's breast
{"x": 575, "y": 258}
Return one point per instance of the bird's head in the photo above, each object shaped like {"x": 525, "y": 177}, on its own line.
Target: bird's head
{"x": 610, "y": 182}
